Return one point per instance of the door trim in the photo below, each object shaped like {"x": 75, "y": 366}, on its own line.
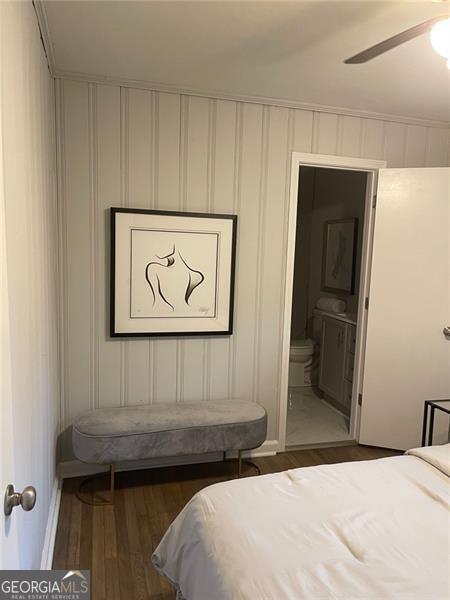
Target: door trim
{"x": 52, "y": 525}
{"x": 371, "y": 167}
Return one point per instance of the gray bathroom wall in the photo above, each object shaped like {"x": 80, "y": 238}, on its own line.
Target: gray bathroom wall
{"x": 324, "y": 195}
{"x": 338, "y": 195}
{"x": 302, "y": 264}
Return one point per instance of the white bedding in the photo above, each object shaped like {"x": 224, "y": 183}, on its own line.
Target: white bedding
{"x": 364, "y": 530}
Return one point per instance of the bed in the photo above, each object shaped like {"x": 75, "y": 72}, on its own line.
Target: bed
{"x": 375, "y": 529}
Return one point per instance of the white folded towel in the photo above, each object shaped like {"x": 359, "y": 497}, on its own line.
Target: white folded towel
{"x": 333, "y": 305}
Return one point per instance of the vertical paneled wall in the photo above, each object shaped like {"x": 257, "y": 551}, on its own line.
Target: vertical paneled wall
{"x": 29, "y": 196}
{"x": 138, "y": 148}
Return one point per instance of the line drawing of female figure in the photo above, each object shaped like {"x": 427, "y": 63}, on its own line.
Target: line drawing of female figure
{"x": 339, "y": 264}
{"x": 172, "y": 281}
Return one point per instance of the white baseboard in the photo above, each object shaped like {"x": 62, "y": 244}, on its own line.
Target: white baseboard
{"x": 343, "y": 443}
{"x": 269, "y": 448}
{"x": 75, "y": 468}
{"x": 52, "y": 524}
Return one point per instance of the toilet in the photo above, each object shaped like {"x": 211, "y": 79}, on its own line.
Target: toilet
{"x": 300, "y": 362}
{"x": 303, "y": 355}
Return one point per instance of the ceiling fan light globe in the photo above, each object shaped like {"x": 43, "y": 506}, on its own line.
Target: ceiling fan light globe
{"x": 440, "y": 38}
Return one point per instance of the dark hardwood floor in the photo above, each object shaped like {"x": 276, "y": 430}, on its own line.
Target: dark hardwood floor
{"x": 116, "y": 542}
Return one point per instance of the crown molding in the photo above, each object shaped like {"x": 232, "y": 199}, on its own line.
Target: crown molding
{"x": 284, "y": 103}
{"x": 41, "y": 15}
{"x": 205, "y": 93}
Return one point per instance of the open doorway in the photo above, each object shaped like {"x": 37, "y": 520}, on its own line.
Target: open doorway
{"x": 327, "y": 269}
{"x": 366, "y": 170}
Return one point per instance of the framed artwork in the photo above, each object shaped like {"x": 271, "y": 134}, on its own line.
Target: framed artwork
{"x": 172, "y": 273}
{"x": 339, "y": 256}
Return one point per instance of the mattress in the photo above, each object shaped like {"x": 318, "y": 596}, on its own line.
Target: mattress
{"x": 362, "y": 530}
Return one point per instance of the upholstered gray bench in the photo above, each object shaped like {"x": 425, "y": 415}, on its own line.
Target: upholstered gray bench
{"x": 111, "y": 435}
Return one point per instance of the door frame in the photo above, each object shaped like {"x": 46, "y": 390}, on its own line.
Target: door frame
{"x": 371, "y": 167}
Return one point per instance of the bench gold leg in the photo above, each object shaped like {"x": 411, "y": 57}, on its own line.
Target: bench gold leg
{"x": 241, "y": 461}
{"x": 95, "y": 502}
{"x": 111, "y": 483}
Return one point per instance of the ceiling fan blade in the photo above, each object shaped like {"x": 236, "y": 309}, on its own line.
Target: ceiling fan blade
{"x": 393, "y": 41}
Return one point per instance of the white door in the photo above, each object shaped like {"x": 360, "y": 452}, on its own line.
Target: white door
{"x": 407, "y": 356}
{"x": 8, "y": 535}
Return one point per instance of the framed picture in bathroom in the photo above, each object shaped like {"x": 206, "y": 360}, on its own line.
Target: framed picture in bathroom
{"x": 339, "y": 256}
{"x": 172, "y": 273}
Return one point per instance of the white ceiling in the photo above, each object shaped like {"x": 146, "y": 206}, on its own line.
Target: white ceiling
{"x": 288, "y": 50}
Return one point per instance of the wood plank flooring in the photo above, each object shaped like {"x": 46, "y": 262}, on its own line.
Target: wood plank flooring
{"x": 116, "y": 542}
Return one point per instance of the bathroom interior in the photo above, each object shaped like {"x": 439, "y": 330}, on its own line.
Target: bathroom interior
{"x": 328, "y": 249}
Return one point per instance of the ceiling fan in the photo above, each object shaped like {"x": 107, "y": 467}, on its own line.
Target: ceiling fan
{"x": 439, "y": 28}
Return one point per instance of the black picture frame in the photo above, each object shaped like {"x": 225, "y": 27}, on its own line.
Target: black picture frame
{"x": 116, "y": 332}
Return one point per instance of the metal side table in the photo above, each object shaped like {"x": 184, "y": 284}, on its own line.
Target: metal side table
{"x": 442, "y": 405}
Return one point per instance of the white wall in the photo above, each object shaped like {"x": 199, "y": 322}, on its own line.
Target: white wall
{"x": 28, "y": 147}
{"x": 138, "y": 148}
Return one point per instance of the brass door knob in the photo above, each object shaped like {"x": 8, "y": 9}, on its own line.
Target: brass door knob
{"x": 26, "y": 499}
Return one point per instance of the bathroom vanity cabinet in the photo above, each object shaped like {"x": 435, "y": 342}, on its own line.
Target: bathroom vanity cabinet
{"x": 337, "y": 358}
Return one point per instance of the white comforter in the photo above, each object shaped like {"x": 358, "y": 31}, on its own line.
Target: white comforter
{"x": 362, "y": 530}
